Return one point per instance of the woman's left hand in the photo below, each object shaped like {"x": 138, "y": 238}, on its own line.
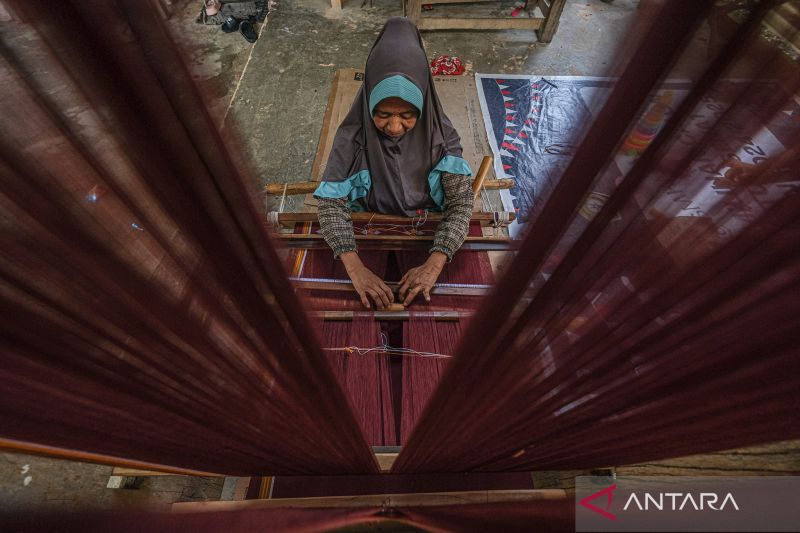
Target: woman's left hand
{"x": 422, "y": 278}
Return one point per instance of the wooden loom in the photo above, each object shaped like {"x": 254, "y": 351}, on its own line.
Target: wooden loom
{"x": 393, "y": 242}
{"x": 387, "y": 502}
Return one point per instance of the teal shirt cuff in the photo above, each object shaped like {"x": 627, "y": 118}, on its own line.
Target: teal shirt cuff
{"x": 355, "y": 187}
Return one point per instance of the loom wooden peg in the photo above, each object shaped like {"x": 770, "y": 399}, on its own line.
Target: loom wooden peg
{"x": 480, "y": 177}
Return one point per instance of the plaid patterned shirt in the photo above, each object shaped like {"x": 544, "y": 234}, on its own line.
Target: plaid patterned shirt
{"x": 337, "y": 227}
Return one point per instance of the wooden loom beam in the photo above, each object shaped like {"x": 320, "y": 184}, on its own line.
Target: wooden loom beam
{"x": 379, "y": 500}
{"x": 478, "y": 183}
{"x": 308, "y": 187}
{"x": 290, "y": 219}
{"x": 391, "y": 315}
{"x": 347, "y": 286}
{"x": 97, "y": 458}
{"x": 395, "y": 242}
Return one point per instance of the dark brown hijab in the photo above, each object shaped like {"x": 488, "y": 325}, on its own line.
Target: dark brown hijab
{"x": 386, "y": 175}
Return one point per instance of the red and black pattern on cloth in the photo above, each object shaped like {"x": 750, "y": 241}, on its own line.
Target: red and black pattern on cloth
{"x": 532, "y": 123}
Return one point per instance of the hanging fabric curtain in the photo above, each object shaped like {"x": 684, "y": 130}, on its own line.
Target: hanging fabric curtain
{"x": 666, "y": 323}
{"x": 147, "y": 319}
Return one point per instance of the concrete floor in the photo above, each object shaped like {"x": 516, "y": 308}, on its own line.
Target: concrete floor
{"x": 270, "y": 98}
{"x": 30, "y": 483}
{"x": 278, "y": 106}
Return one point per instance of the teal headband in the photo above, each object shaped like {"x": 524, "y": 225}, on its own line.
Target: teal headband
{"x": 398, "y": 86}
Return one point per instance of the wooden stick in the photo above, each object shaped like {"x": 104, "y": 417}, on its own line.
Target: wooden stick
{"x": 480, "y": 177}
{"x": 396, "y": 242}
{"x": 439, "y": 316}
{"x": 501, "y": 23}
{"x": 290, "y": 219}
{"x": 550, "y": 22}
{"x": 135, "y": 472}
{"x": 379, "y": 500}
{"x": 90, "y": 457}
{"x": 347, "y": 286}
{"x": 306, "y": 187}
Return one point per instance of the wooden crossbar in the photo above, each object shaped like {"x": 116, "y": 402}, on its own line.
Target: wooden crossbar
{"x": 379, "y": 500}
{"x": 290, "y": 219}
{"x": 438, "y": 316}
{"x": 345, "y": 285}
{"x": 90, "y": 457}
{"x": 395, "y": 242}
{"x": 307, "y": 187}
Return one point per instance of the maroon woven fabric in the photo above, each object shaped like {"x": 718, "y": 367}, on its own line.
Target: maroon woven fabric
{"x": 146, "y": 314}
{"x": 424, "y": 334}
{"x": 367, "y": 378}
{"x": 364, "y": 378}
{"x": 664, "y": 325}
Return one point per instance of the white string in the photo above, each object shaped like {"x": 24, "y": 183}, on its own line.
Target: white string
{"x": 417, "y": 222}
{"x": 386, "y": 349}
{"x": 283, "y": 198}
{"x": 485, "y": 200}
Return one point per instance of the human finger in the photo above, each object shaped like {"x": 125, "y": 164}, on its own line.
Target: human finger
{"x": 385, "y": 298}
{"x": 426, "y": 292}
{"x": 387, "y": 291}
{"x": 364, "y": 300}
{"x": 403, "y": 289}
{"x": 375, "y": 298}
{"x": 379, "y": 297}
{"x": 413, "y": 293}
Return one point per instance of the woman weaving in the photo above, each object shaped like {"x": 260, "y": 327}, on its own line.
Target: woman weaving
{"x": 396, "y": 152}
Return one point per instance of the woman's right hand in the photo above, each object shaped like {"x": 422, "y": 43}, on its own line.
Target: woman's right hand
{"x": 366, "y": 283}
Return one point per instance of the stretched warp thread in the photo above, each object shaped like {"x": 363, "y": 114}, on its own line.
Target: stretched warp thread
{"x": 691, "y": 349}
{"x": 145, "y": 316}
{"x": 419, "y": 376}
{"x": 365, "y": 380}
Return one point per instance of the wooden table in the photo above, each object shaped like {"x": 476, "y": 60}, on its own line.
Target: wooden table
{"x": 545, "y": 27}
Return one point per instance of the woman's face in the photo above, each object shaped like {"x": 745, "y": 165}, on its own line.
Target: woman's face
{"x": 394, "y": 116}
